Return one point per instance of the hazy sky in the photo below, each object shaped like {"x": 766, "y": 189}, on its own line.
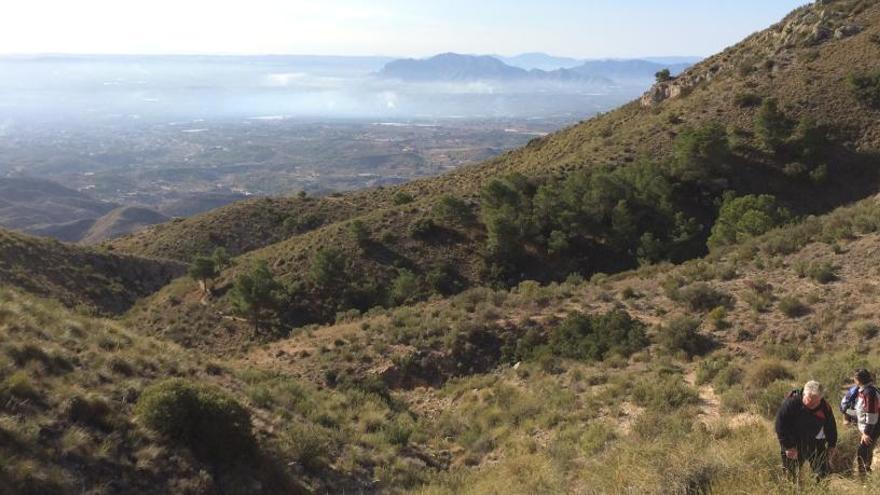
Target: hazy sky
{"x": 577, "y": 28}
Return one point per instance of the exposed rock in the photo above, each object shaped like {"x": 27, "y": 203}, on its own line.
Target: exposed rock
{"x": 847, "y": 31}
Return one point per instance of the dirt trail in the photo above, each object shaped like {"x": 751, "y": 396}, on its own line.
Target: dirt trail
{"x": 710, "y": 404}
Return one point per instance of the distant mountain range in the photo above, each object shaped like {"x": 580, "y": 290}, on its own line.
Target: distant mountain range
{"x": 530, "y": 67}
{"x": 448, "y": 67}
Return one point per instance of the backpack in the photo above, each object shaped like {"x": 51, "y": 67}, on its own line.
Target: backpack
{"x": 849, "y": 399}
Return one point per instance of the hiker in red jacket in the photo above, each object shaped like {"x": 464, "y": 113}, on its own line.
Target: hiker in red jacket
{"x": 807, "y": 431}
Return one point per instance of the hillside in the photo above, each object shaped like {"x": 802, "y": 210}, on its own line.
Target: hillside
{"x": 619, "y": 307}
{"x": 87, "y": 406}
{"x": 80, "y": 277}
{"x": 559, "y": 388}
{"x": 521, "y": 392}
{"x": 239, "y": 227}
{"x": 121, "y": 221}
{"x": 670, "y": 159}
{"x": 42, "y": 206}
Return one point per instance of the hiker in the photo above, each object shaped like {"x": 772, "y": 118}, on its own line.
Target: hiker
{"x": 848, "y": 405}
{"x": 806, "y": 431}
{"x": 867, "y": 410}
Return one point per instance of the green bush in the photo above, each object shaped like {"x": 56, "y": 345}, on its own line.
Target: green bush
{"x": 405, "y": 287}
{"x": 664, "y": 393}
{"x": 454, "y": 210}
{"x": 682, "y": 334}
{"x": 765, "y": 372}
{"x": 718, "y": 318}
{"x": 701, "y": 154}
{"x": 866, "y": 329}
{"x": 201, "y": 417}
{"x": 402, "y": 198}
{"x": 734, "y": 400}
{"x": 359, "y": 232}
{"x": 866, "y": 87}
{"x": 792, "y": 307}
{"x": 663, "y": 76}
{"x": 823, "y": 272}
{"x": 767, "y": 400}
{"x": 759, "y": 295}
{"x": 772, "y": 127}
{"x": 727, "y": 377}
{"x": 309, "y": 445}
{"x": 703, "y": 297}
{"x": 595, "y": 337}
{"x": 741, "y": 218}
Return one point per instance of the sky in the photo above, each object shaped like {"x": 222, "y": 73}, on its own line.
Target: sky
{"x": 411, "y": 28}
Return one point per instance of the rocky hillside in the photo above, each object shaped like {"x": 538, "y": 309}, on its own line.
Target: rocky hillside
{"x": 89, "y": 279}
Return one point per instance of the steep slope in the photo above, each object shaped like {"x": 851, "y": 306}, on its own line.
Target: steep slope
{"x": 808, "y": 78}
{"x": 78, "y": 276}
{"x": 121, "y": 221}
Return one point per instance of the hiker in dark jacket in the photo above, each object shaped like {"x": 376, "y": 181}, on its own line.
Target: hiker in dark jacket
{"x": 806, "y": 430}
{"x": 867, "y": 410}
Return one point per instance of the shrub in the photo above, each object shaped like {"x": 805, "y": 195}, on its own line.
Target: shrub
{"x": 664, "y": 393}
{"x": 766, "y": 401}
{"x": 200, "y": 417}
{"x": 453, "y": 209}
{"x": 866, "y": 87}
{"x": 402, "y": 198}
{"x": 745, "y": 217}
{"x": 734, "y": 400}
{"x": 765, "y": 372}
{"x": 662, "y": 75}
{"x": 682, "y": 334}
{"x": 727, "y": 377}
{"x": 709, "y": 368}
{"x": 328, "y": 268}
{"x": 700, "y": 154}
{"x": 405, "y": 287}
{"x": 88, "y": 410}
{"x": 823, "y": 272}
{"x": 703, "y": 297}
{"x": 422, "y": 228}
{"x": 718, "y": 318}
{"x": 792, "y": 307}
{"x": 759, "y": 295}
{"x": 866, "y": 329}
{"x": 309, "y": 445}
{"x": 19, "y": 385}
{"x": 444, "y": 279}
{"x": 744, "y": 100}
{"x": 596, "y": 337}
{"x": 771, "y": 125}
{"x": 359, "y": 232}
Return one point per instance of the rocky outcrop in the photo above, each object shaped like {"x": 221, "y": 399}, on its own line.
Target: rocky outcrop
{"x": 809, "y": 26}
